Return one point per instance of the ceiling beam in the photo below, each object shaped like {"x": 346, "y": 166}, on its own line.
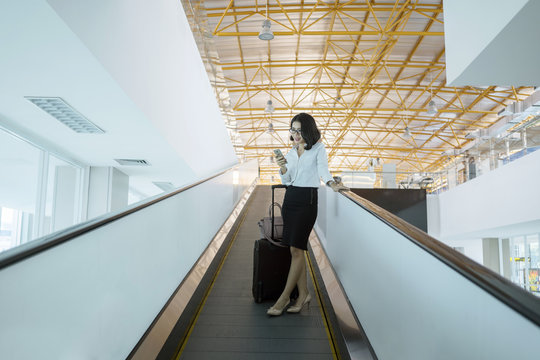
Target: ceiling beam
{"x": 336, "y": 32}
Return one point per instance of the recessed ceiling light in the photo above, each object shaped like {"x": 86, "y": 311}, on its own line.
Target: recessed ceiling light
{"x": 67, "y": 115}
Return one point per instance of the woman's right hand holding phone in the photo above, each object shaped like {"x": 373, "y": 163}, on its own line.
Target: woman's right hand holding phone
{"x": 281, "y": 161}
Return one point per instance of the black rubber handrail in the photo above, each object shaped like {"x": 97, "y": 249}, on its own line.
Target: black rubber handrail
{"x": 33, "y": 247}
{"x": 510, "y": 294}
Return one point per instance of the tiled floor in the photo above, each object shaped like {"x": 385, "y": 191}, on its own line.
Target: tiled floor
{"x": 232, "y": 326}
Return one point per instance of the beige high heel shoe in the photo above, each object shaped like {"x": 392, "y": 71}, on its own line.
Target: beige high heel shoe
{"x": 274, "y": 311}
{"x": 297, "y": 308}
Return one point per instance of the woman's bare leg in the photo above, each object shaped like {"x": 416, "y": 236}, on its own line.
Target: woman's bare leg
{"x": 296, "y": 271}
{"x": 302, "y": 284}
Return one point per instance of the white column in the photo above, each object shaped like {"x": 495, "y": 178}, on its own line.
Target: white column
{"x": 107, "y": 190}
{"x": 389, "y": 176}
{"x": 119, "y": 190}
{"x": 27, "y": 226}
{"x": 38, "y": 226}
{"x": 490, "y": 250}
{"x": 504, "y": 246}
{"x": 64, "y": 197}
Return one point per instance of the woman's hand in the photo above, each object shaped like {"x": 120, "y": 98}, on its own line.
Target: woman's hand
{"x": 337, "y": 186}
{"x": 280, "y": 160}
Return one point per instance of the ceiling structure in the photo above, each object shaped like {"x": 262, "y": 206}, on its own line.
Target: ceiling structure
{"x": 366, "y": 70}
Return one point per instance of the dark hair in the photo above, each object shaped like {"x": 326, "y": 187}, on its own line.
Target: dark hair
{"x": 310, "y": 133}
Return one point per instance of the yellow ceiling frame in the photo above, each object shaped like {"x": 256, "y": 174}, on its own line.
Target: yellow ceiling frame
{"x": 358, "y": 89}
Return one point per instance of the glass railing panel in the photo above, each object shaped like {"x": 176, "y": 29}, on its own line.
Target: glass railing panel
{"x": 413, "y": 304}
{"x": 94, "y": 296}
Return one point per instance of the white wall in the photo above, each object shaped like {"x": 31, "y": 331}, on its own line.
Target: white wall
{"x": 495, "y": 50}
{"x": 503, "y": 202}
{"x": 473, "y": 248}
{"x": 148, "y": 48}
{"x": 42, "y": 56}
{"x": 433, "y": 215}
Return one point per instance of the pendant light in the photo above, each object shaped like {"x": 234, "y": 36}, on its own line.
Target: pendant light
{"x": 269, "y": 107}
{"x": 432, "y": 107}
{"x": 407, "y": 133}
{"x": 266, "y": 33}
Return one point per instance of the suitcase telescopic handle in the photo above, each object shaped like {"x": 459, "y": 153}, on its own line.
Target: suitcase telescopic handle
{"x": 279, "y": 186}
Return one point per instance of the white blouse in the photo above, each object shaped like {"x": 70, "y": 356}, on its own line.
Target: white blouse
{"x": 308, "y": 169}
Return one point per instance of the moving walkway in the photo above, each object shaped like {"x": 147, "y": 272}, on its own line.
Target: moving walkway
{"x": 171, "y": 278}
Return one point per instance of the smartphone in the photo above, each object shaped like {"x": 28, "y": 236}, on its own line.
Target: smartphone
{"x": 279, "y": 153}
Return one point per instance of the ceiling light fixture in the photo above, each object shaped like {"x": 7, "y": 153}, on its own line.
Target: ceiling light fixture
{"x": 266, "y": 33}
{"x": 407, "y": 133}
{"x": 270, "y": 129}
{"x": 432, "y": 107}
{"x": 269, "y": 107}
{"x": 66, "y": 114}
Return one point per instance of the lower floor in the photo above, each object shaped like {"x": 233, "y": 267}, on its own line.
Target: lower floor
{"x": 516, "y": 258}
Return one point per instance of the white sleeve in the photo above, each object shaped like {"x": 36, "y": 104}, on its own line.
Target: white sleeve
{"x": 322, "y": 165}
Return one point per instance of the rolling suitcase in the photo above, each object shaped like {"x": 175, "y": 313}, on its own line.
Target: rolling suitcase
{"x": 271, "y": 259}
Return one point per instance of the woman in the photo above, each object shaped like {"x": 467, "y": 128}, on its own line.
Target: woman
{"x": 302, "y": 168}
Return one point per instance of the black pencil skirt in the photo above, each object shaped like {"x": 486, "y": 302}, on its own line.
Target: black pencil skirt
{"x": 299, "y": 215}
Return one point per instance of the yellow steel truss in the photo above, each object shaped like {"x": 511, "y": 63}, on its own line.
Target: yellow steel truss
{"x": 362, "y": 91}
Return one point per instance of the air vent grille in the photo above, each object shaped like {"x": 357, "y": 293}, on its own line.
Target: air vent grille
{"x": 67, "y": 115}
{"x": 132, "y": 162}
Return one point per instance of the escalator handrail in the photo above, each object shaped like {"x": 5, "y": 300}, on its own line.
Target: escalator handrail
{"x": 33, "y": 247}
{"x": 504, "y": 290}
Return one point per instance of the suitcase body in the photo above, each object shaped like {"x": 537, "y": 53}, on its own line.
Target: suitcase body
{"x": 271, "y": 263}
{"x": 270, "y": 269}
